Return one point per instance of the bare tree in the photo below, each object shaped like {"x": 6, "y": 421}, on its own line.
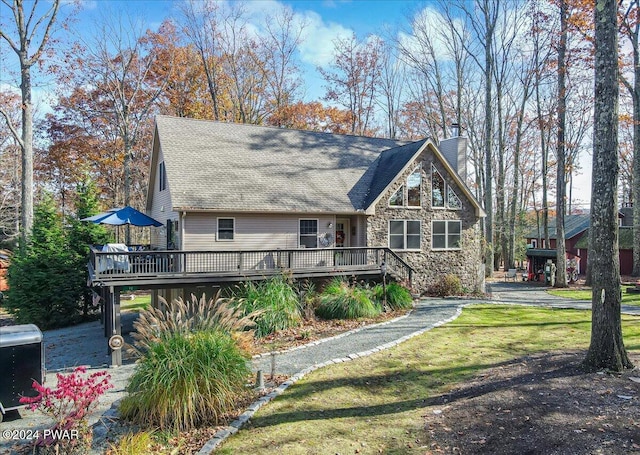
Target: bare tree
{"x": 118, "y": 63}
{"x": 29, "y": 29}
{"x": 282, "y": 39}
{"x": 203, "y": 24}
{"x": 561, "y": 250}
{"x": 392, "y": 79}
{"x": 606, "y": 349}
{"x": 356, "y": 79}
{"x": 483, "y": 20}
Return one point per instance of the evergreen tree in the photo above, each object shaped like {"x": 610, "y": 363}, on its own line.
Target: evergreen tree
{"x": 43, "y": 285}
{"x": 82, "y": 234}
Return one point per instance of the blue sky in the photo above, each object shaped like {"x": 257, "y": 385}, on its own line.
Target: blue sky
{"x": 327, "y": 20}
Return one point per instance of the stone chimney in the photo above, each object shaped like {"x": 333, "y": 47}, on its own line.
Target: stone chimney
{"x": 454, "y": 150}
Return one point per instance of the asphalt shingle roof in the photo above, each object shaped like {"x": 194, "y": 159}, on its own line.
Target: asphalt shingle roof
{"x": 224, "y": 166}
{"x": 573, "y": 225}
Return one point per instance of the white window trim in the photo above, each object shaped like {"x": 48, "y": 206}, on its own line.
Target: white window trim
{"x": 317, "y": 220}
{"x": 446, "y": 235}
{"x": 218, "y": 239}
{"x": 404, "y": 233}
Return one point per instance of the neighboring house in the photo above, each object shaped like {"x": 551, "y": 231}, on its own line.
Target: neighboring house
{"x": 577, "y": 241}
{"x": 228, "y": 187}
{"x": 574, "y": 228}
{"x": 625, "y": 249}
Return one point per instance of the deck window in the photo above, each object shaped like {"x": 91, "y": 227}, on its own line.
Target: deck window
{"x": 445, "y": 235}
{"x": 404, "y": 234}
{"x": 308, "y": 233}
{"x": 162, "y": 176}
{"x": 226, "y": 229}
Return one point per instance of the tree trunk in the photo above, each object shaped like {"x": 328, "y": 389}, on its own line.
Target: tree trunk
{"x": 606, "y": 349}
{"x": 633, "y": 32}
{"x": 27, "y": 152}
{"x": 488, "y": 98}
{"x": 561, "y": 254}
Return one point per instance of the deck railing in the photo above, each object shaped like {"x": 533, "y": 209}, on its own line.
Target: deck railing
{"x": 130, "y": 264}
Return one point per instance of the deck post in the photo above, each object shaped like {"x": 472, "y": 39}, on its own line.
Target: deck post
{"x": 116, "y": 326}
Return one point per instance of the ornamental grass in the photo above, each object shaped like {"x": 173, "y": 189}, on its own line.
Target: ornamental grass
{"x": 275, "y": 301}
{"x": 398, "y": 297}
{"x": 186, "y": 380}
{"x": 340, "y": 300}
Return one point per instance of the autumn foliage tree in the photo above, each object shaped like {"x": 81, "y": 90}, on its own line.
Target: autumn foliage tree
{"x": 354, "y": 80}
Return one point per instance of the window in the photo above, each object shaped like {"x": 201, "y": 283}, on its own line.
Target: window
{"x": 445, "y": 235}
{"x": 409, "y": 195}
{"x": 397, "y": 198}
{"x": 437, "y": 188}
{"x": 453, "y": 201}
{"x": 226, "y": 229}
{"x": 414, "y": 184}
{"x": 172, "y": 234}
{"x": 308, "y": 233}
{"x": 162, "y": 176}
{"x": 404, "y": 234}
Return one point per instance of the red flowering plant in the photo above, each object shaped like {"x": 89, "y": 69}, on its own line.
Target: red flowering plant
{"x": 69, "y": 404}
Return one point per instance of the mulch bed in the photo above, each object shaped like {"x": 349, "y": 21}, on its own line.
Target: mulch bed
{"x": 539, "y": 404}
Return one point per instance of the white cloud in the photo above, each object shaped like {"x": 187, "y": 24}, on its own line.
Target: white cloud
{"x": 428, "y": 26}
{"x": 318, "y": 36}
{"x": 317, "y": 47}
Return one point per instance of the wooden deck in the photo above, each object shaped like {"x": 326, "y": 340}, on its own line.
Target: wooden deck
{"x": 111, "y": 272}
{"x": 165, "y": 268}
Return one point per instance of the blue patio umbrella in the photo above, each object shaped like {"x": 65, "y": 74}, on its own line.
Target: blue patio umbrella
{"x": 124, "y": 215}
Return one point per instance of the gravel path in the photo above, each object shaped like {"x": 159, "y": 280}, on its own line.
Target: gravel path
{"x": 427, "y": 314}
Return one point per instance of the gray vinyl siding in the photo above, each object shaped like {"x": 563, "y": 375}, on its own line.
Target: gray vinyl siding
{"x": 161, "y": 210}
{"x": 252, "y": 231}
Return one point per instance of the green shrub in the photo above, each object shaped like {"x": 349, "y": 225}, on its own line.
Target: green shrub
{"x": 275, "y": 301}
{"x": 398, "y": 297}
{"x": 339, "y": 300}
{"x": 447, "y": 285}
{"x": 186, "y": 380}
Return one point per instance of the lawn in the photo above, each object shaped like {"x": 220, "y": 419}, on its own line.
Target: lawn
{"x": 585, "y": 294}
{"x": 375, "y": 404}
{"x": 139, "y": 302}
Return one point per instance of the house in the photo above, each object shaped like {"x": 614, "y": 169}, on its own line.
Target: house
{"x": 577, "y": 242}
{"x": 538, "y": 253}
{"x": 625, "y": 249}
{"x": 226, "y": 187}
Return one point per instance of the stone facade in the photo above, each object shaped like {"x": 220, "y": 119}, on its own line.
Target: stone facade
{"x": 430, "y": 264}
